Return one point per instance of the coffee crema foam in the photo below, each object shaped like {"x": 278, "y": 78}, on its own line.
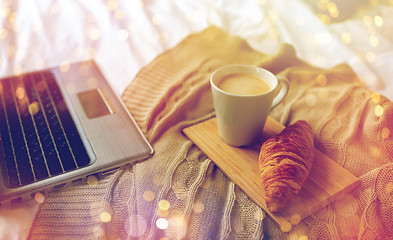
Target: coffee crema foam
{"x": 243, "y": 84}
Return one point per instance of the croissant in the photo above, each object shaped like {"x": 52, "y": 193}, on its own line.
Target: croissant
{"x": 284, "y": 163}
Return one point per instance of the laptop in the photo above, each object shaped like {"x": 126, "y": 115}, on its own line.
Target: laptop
{"x": 59, "y": 126}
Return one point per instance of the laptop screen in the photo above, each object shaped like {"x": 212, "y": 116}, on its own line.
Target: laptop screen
{"x": 38, "y": 136}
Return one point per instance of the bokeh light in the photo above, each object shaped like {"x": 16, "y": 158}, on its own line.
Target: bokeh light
{"x": 389, "y": 188}
{"x": 65, "y": 66}
{"x": 34, "y": 107}
{"x": 122, "y": 34}
{"x": 105, "y": 217}
{"x": 346, "y": 38}
{"x": 94, "y": 34}
{"x": 157, "y": 19}
{"x": 162, "y": 223}
{"x": 378, "y": 110}
{"x": 20, "y": 92}
{"x": 259, "y": 215}
{"x": 385, "y": 133}
{"x": 295, "y": 219}
{"x": 375, "y": 97}
{"x": 39, "y": 197}
{"x": 92, "y": 180}
{"x": 311, "y": 100}
{"x": 164, "y": 205}
{"x": 198, "y": 207}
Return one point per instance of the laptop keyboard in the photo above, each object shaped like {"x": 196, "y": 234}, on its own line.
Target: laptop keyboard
{"x": 38, "y": 136}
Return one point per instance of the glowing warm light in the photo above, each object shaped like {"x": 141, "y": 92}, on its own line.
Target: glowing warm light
{"x": 5, "y": 12}
{"x": 1, "y": 88}
{"x": 94, "y": 34}
{"x": 373, "y": 40}
{"x": 122, "y": 34}
{"x": 41, "y": 86}
{"x": 17, "y": 70}
{"x": 39, "y": 197}
{"x": 367, "y": 20}
{"x": 111, "y": 4}
{"x": 259, "y": 215}
{"x": 120, "y": 14}
{"x": 378, "y": 110}
{"x": 346, "y": 38}
{"x": 324, "y": 18}
{"x": 324, "y": 93}
{"x": 90, "y": 52}
{"x": 157, "y": 19}
{"x": 286, "y": 226}
{"x": 162, "y": 223}
{"x": 162, "y": 213}
{"x": 295, "y": 219}
{"x": 389, "y": 188}
{"x": 34, "y": 107}
{"x": 332, "y": 8}
{"x": 322, "y": 80}
{"x": 273, "y": 15}
{"x": 198, "y": 207}
{"x": 12, "y": 17}
{"x": 164, "y": 205}
{"x": 105, "y": 217}
{"x": 92, "y": 180}
{"x": 370, "y": 56}
{"x": 378, "y": 20}
{"x": 141, "y": 4}
{"x": 311, "y": 100}
{"x": 20, "y": 92}
{"x": 78, "y": 52}
{"x": 303, "y": 237}
{"x": 148, "y": 196}
{"x": 323, "y": 38}
{"x": 65, "y": 66}
{"x": 70, "y": 87}
{"x": 385, "y": 133}
{"x": 375, "y": 97}
{"x": 92, "y": 82}
{"x": 3, "y": 33}
{"x": 98, "y": 232}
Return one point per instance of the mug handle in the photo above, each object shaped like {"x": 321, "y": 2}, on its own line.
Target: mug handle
{"x": 282, "y": 90}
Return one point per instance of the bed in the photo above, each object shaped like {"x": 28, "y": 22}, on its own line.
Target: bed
{"x": 125, "y": 36}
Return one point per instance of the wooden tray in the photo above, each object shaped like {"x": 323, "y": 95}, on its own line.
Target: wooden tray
{"x": 327, "y": 180}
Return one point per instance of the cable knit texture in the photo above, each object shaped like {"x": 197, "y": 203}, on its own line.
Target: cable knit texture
{"x": 180, "y": 194}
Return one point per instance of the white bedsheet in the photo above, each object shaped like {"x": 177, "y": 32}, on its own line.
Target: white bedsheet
{"x": 124, "y": 35}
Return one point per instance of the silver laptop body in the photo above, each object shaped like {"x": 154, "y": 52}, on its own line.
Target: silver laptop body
{"x": 108, "y": 135}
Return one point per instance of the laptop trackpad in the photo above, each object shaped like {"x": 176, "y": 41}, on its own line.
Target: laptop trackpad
{"x": 96, "y": 103}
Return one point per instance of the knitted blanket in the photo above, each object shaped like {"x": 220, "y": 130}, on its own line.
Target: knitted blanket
{"x": 180, "y": 194}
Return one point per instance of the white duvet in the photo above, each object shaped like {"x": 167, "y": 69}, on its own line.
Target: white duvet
{"x": 124, "y": 35}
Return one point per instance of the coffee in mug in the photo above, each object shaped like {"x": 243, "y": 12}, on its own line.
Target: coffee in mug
{"x": 243, "y": 84}
{"x": 243, "y": 96}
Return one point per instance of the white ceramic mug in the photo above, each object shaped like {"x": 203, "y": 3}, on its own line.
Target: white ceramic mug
{"x": 241, "y": 113}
